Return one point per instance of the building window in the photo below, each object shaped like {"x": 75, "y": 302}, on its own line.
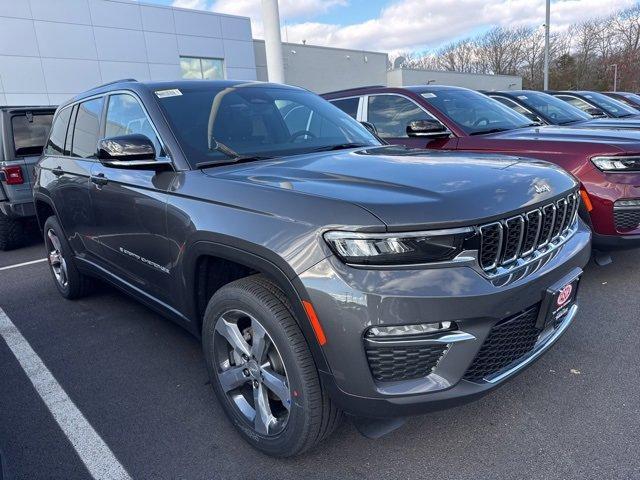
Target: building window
{"x": 202, "y": 68}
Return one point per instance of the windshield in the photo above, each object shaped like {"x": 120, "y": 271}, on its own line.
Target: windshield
{"x": 633, "y": 99}
{"x": 474, "y": 112}
{"x": 555, "y": 110}
{"x": 253, "y": 120}
{"x": 613, "y": 107}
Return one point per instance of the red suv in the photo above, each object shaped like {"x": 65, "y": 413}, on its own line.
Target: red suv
{"x": 607, "y": 162}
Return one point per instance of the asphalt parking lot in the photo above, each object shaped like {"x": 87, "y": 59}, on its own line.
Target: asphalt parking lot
{"x": 140, "y": 381}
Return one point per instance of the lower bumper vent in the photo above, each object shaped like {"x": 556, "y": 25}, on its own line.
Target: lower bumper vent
{"x": 508, "y": 341}
{"x": 394, "y": 363}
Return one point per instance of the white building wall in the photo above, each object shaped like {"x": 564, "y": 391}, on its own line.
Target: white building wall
{"x": 404, "y": 77}
{"x": 323, "y": 69}
{"x": 51, "y": 50}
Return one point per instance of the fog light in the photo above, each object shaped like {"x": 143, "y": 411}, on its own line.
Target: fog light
{"x": 627, "y": 203}
{"x": 401, "y": 330}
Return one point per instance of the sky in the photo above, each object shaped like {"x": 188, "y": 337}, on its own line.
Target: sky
{"x": 403, "y": 25}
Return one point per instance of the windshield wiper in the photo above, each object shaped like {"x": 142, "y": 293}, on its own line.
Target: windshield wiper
{"x": 491, "y": 130}
{"x": 233, "y": 156}
{"x": 340, "y": 146}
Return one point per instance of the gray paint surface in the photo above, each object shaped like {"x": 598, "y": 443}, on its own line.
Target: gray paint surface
{"x": 53, "y": 50}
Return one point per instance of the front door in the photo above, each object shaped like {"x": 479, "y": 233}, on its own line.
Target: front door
{"x": 130, "y": 206}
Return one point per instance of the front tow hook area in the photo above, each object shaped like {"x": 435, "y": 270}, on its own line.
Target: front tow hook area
{"x": 602, "y": 259}
{"x": 375, "y": 428}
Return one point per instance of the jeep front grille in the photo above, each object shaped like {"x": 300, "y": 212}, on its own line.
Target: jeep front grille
{"x": 504, "y": 242}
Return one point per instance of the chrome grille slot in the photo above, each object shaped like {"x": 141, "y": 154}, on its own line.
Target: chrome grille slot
{"x": 491, "y": 240}
{"x": 561, "y": 212}
{"x": 514, "y": 230}
{"x": 533, "y": 225}
{"x": 529, "y": 234}
{"x": 548, "y": 219}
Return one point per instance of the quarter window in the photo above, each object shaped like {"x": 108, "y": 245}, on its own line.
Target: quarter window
{"x": 87, "y": 129}
{"x": 55, "y": 145}
{"x": 202, "y": 68}
{"x": 511, "y": 104}
{"x": 391, "y": 114}
{"x": 125, "y": 116}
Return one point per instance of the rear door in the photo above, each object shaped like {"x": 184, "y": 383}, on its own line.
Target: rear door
{"x": 66, "y": 168}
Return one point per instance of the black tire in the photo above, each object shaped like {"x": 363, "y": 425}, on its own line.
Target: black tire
{"x": 312, "y": 416}
{"x": 11, "y": 233}
{"x": 77, "y": 285}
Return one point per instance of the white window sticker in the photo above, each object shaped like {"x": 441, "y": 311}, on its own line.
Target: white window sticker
{"x": 429, "y": 95}
{"x": 174, "y": 92}
{"x": 522, "y": 97}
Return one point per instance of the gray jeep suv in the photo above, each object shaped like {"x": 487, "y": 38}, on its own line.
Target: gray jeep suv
{"x": 324, "y": 271}
{"x": 23, "y": 131}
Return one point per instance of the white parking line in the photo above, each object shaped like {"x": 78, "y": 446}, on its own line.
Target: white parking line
{"x": 24, "y": 264}
{"x": 92, "y": 450}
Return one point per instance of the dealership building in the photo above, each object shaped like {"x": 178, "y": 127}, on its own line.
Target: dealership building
{"x": 51, "y": 50}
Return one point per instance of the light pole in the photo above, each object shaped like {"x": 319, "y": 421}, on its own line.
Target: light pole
{"x": 546, "y": 45}
{"x": 615, "y": 76}
{"x": 273, "y": 41}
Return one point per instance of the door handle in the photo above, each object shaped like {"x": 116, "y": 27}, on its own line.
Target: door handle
{"x": 57, "y": 171}
{"x": 99, "y": 179}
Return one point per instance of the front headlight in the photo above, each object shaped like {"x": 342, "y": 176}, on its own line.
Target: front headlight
{"x": 617, "y": 164}
{"x": 398, "y": 248}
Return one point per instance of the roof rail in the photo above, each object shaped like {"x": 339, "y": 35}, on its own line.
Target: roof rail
{"x": 114, "y": 81}
{"x": 355, "y": 88}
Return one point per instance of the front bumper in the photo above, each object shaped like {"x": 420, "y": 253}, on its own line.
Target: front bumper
{"x": 348, "y": 301}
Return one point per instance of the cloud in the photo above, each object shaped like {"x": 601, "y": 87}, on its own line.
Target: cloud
{"x": 412, "y": 24}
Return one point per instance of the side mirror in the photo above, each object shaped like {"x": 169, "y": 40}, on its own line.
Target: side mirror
{"x": 427, "y": 128}
{"x": 371, "y": 127}
{"x": 129, "y": 151}
{"x": 596, "y": 112}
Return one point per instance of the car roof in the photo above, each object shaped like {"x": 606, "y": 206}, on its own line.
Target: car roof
{"x": 134, "y": 85}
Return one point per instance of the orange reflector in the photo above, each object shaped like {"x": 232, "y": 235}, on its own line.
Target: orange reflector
{"x": 586, "y": 200}
{"x": 315, "y": 323}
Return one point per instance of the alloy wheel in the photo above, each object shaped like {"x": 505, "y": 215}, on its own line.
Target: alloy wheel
{"x": 251, "y": 372}
{"x": 56, "y": 260}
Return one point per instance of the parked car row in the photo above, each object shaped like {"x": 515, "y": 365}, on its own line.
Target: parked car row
{"x": 400, "y": 251}
{"x": 603, "y": 154}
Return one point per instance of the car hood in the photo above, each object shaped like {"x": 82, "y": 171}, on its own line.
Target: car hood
{"x": 632, "y": 123}
{"x": 409, "y": 189}
{"x": 625, "y": 140}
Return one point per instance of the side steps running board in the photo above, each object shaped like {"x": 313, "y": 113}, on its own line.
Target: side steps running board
{"x": 375, "y": 428}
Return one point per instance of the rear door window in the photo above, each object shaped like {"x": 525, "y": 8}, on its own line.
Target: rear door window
{"x": 576, "y": 102}
{"x": 87, "y": 129}
{"x": 30, "y": 133}
{"x": 55, "y": 145}
{"x": 348, "y": 106}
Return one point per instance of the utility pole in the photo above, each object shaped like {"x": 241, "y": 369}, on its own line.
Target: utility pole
{"x": 273, "y": 41}
{"x": 615, "y": 77}
{"x": 546, "y": 45}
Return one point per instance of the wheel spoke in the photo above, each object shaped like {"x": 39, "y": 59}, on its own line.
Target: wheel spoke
{"x": 54, "y": 241}
{"x": 230, "y": 331}
{"x": 263, "y": 418}
{"x": 232, "y": 378}
{"x": 259, "y": 341}
{"x": 278, "y": 385}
